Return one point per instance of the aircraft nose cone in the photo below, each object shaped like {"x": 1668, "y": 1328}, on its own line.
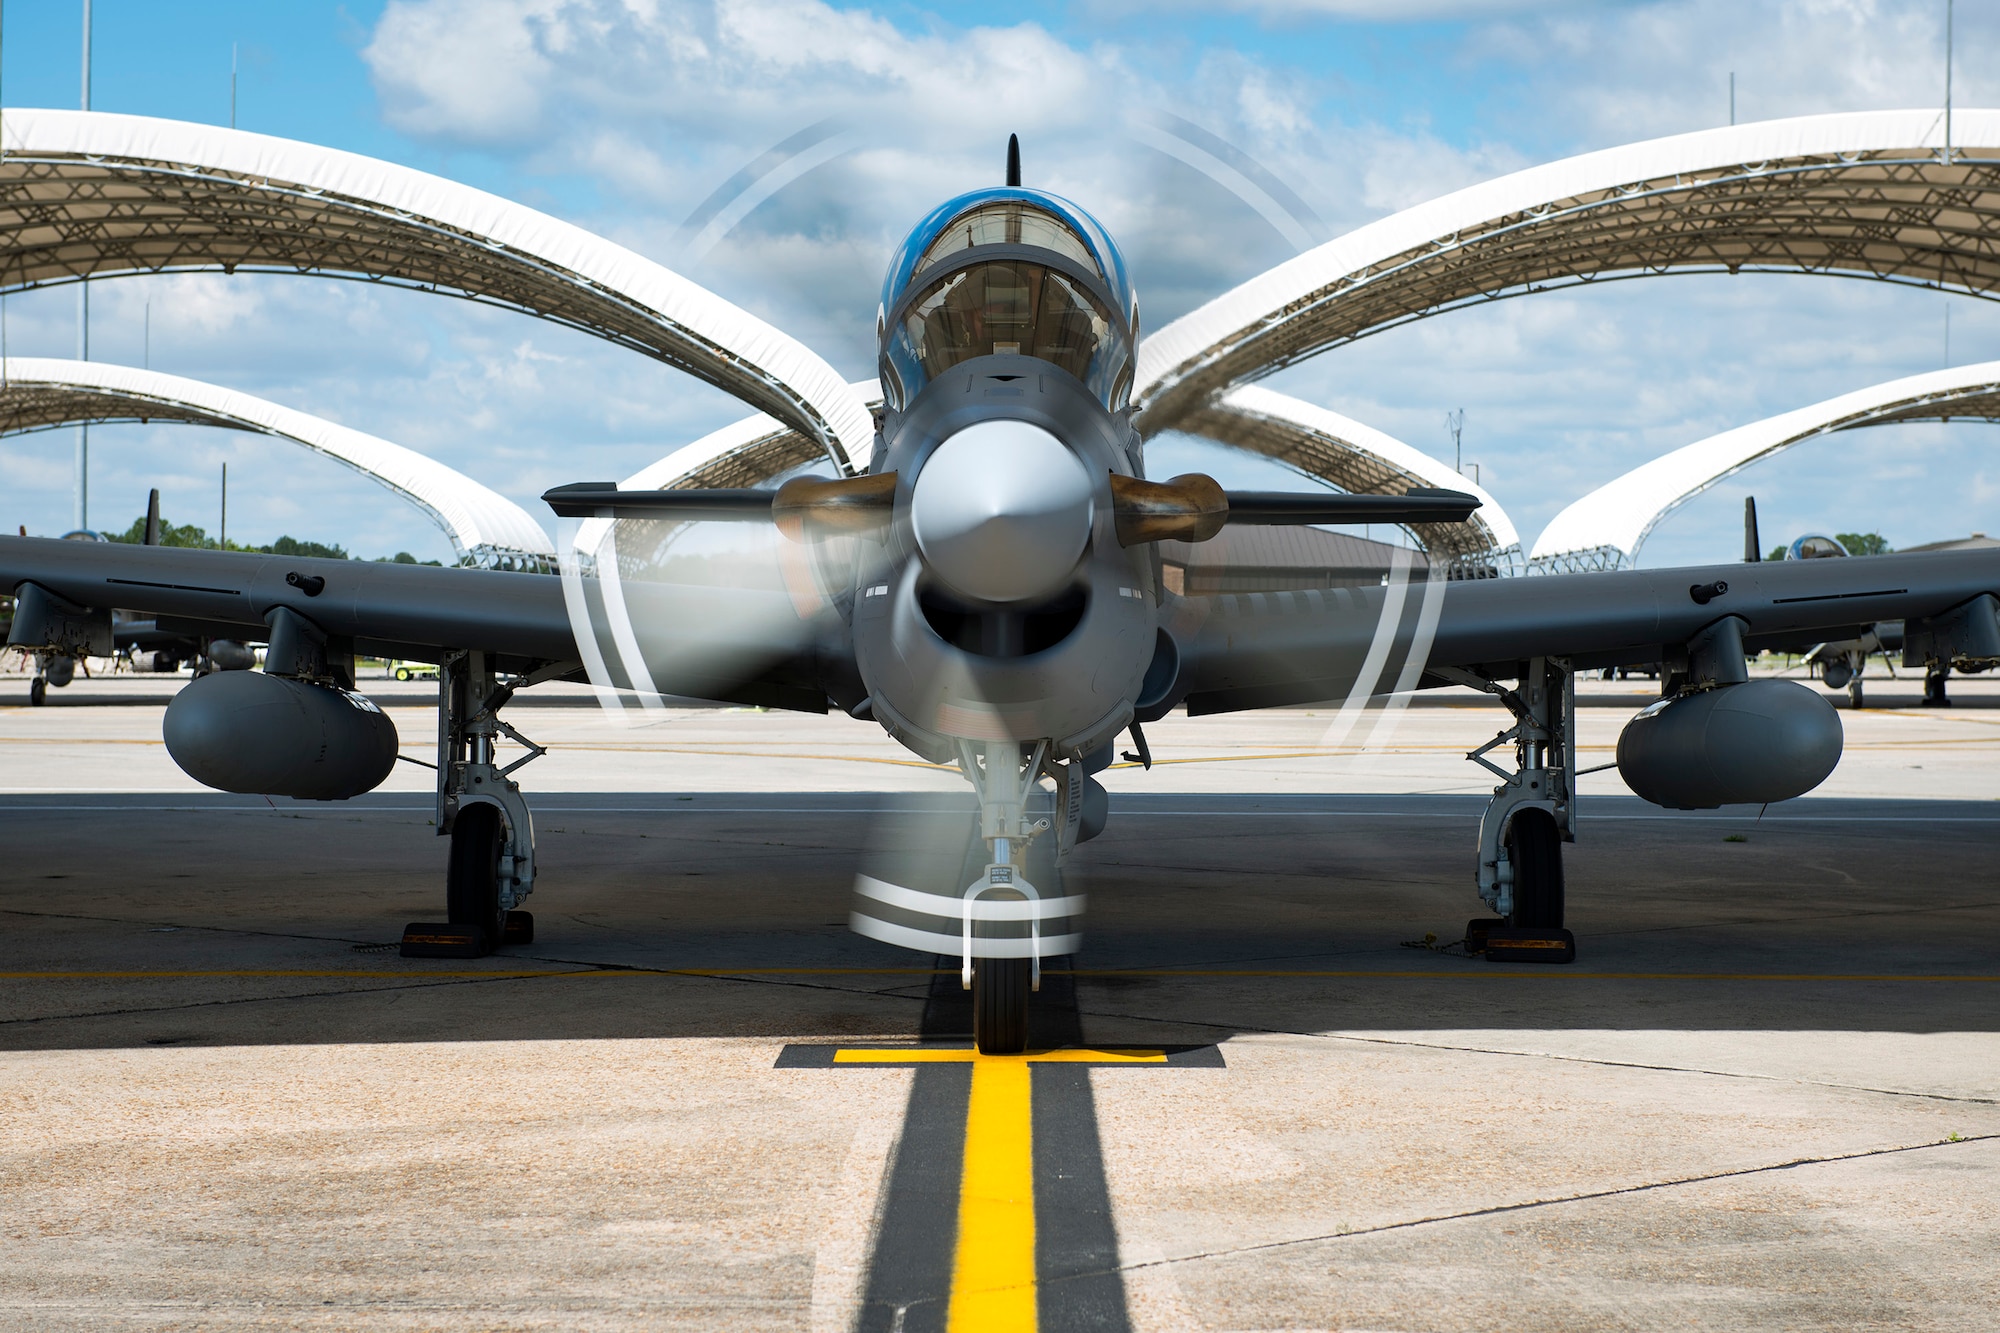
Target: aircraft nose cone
{"x": 1002, "y": 510}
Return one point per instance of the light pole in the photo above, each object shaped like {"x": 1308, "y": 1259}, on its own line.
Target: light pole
{"x": 83, "y": 326}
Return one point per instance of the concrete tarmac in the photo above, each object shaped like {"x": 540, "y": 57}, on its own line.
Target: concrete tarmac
{"x": 1766, "y": 1095}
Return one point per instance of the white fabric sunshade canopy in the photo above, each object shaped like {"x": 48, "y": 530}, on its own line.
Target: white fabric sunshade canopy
{"x": 1606, "y": 528}
{"x": 485, "y": 527}
{"x": 1362, "y": 461}
{"x": 743, "y": 454}
{"x": 1864, "y": 194}
{"x": 87, "y": 193}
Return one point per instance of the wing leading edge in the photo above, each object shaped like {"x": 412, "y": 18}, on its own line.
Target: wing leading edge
{"x": 1265, "y": 650}
{"x": 417, "y": 612}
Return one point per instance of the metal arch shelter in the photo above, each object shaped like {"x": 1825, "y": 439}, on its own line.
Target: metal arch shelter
{"x": 1606, "y": 528}
{"x": 87, "y": 194}
{"x": 743, "y": 453}
{"x": 1360, "y": 460}
{"x": 485, "y": 528}
{"x": 1866, "y": 194}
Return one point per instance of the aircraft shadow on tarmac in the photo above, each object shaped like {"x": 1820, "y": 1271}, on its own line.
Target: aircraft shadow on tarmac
{"x": 138, "y": 921}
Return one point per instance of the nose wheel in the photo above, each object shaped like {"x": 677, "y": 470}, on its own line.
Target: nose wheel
{"x": 1000, "y": 1005}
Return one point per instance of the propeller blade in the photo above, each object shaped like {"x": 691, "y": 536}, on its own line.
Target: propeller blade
{"x": 603, "y": 499}
{"x": 1422, "y": 505}
{"x": 852, "y": 504}
{"x": 1193, "y": 508}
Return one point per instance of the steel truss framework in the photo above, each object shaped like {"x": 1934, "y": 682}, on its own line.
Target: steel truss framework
{"x": 1607, "y": 528}
{"x": 1362, "y": 461}
{"x": 89, "y": 194}
{"x": 1872, "y": 195}
{"x": 748, "y": 452}
{"x": 485, "y": 528}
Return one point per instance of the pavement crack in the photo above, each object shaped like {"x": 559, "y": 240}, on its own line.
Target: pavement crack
{"x": 413, "y": 984}
{"x": 1250, "y": 1029}
{"x": 1526, "y": 1205}
{"x": 1663, "y": 1069}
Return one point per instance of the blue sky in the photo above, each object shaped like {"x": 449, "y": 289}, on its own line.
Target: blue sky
{"x": 623, "y": 115}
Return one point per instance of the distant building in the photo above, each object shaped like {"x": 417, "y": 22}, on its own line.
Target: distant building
{"x": 1978, "y": 541}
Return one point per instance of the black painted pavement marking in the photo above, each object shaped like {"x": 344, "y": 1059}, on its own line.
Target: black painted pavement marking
{"x": 995, "y": 1150}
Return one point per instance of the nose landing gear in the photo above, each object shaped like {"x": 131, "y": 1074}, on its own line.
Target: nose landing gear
{"x": 1000, "y": 989}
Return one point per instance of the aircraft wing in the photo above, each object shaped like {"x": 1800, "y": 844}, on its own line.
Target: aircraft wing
{"x": 421, "y": 612}
{"x": 1262, "y": 650}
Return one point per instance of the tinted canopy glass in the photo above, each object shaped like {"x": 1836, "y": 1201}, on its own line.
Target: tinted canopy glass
{"x": 1009, "y": 222}
{"x": 1010, "y": 308}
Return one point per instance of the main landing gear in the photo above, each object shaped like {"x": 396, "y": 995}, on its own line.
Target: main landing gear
{"x": 1532, "y": 814}
{"x": 491, "y": 868}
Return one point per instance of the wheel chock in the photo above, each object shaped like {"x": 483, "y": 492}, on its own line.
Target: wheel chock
{"x": 433, "y": 939}
{"x": 1530, "y": 944}
{"x": 520, "y": 928}
{"x": 1477, "y": 929}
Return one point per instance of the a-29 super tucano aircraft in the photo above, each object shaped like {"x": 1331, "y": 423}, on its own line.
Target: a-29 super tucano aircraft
{"x": 990, "y": 593}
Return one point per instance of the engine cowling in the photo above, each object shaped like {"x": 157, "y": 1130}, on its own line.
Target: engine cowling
{"x": 1761, "y": 741}
{"x": 244, "y": 731}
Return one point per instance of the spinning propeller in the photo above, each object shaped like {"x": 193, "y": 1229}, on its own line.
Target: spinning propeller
{"x": 990, "y": 593}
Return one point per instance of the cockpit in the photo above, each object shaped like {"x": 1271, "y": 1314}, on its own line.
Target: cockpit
{"x": 1008, "y": 272}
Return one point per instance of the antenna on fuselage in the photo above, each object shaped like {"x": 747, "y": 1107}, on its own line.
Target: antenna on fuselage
{"x": 1014, "y": 160}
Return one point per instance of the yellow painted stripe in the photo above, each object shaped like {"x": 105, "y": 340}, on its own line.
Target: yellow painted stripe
{"x": 911, "y": 1055}
{"x": 993, "y": 1276}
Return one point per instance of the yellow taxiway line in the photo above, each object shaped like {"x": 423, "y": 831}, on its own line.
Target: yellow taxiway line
{"x": 993, "y": 1271}
{"x": 993, "y": 1278}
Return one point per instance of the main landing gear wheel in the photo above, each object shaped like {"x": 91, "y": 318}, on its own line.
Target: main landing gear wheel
{"x": 38, "y": 692}
{"x": 472, "y": 877}
{"x": 1534, "y": 844}
{"x": 471, "y": 895}
{"x": 1534, "y": 933}
{"x": 1000, "y": 1005}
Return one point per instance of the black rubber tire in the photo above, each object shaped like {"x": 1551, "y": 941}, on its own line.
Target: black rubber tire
{"x": 472, "y": 875}
{"x": 1534, "y": 846}
{"x": 38, "y": 692}
{"x": 1000, "y": 1005}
